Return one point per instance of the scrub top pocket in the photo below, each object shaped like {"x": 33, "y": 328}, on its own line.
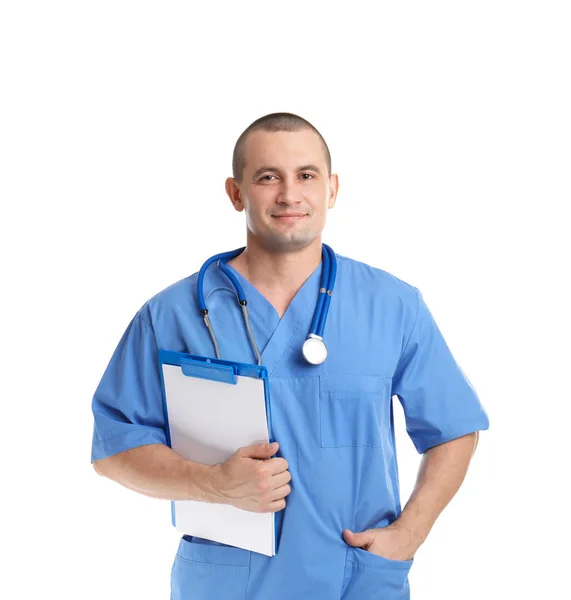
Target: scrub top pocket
{"x": 354, "y": 410}
{"x": 374, "y": 577}
{"x": 207, "y": 571}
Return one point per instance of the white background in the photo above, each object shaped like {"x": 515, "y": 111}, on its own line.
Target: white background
{"x": 449, "y": 126}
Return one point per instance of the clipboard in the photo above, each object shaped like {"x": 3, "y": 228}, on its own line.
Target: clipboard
{"x": 213, "y": 407}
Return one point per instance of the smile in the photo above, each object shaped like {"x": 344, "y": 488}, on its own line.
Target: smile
{"x": 293, "y": 217}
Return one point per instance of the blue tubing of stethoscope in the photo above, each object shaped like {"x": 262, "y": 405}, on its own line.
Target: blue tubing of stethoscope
{"x": 202, "y": 272}
{"x": 328, "y": 276}
{"x": 232, "y": 277}
{"x": 322, "y": 291}
{"x": 332, "y": 273}
{"x": 326, "y": 288}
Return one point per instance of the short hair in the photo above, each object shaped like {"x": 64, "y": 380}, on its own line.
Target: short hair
{"x": 281, "y": 121}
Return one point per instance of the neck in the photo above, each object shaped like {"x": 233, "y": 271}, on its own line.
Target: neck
{"x": 278, "y": 272}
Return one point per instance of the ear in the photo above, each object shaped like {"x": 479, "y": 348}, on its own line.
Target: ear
{"x": 233, "y": 191}
{"x": 333, "y": 189}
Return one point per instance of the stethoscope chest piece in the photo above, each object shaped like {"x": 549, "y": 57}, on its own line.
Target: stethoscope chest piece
{"x": 314, "y": 350}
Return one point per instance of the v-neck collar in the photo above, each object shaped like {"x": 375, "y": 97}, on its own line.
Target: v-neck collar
{"x": 299, "y": 313}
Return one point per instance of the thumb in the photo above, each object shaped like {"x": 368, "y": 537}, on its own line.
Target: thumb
{"x": 358, "y": 540}
{"x": 259, "y": 450}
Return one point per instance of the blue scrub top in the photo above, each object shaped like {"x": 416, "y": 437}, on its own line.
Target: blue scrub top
{"x": 334, "y": 422}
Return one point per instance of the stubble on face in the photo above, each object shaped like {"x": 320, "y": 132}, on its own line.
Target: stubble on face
{"x": 265, "y": 200}
{"x": 286, "y": 236}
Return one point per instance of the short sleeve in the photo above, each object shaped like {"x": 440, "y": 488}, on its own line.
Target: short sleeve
{"x": 439, "y": 402}
{"x": 127, "y": 404}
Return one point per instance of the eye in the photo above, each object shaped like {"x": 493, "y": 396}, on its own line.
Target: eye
{"x": 309, "y": 174}
{"x": 266, "y": 176}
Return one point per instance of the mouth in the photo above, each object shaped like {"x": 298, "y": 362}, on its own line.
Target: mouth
{"x": 289, "y": 217}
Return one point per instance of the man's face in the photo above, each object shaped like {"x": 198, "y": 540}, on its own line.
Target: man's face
{"x": 285, "y": 188}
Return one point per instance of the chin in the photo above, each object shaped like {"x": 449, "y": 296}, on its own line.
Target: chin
{"x": 289, "y": 241}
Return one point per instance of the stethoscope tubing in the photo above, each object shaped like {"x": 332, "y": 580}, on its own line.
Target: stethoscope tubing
{"x": 202, "y": 273}
{"x": 328, "y": 275}
{"x": 326, "y": 290}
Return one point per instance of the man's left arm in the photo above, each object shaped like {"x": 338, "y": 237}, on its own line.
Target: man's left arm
{"x": 441, "y": 473}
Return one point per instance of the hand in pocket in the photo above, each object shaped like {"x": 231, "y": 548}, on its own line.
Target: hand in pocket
{"x": 388, "y": 542}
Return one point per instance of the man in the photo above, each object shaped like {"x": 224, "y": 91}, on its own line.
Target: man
{"x": 332, "y": 476}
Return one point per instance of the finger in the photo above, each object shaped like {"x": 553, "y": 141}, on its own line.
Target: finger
{"x": 280, "y": 479}
{"x": 280, "y": 492}
{"x": 360, "y": 540}
{"x": 276, "y": 506}
{"x": 277, "y": 465}
{"x": 258, "y": 450}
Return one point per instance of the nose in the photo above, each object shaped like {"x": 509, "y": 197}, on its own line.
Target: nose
{"x": 288, "y": 194}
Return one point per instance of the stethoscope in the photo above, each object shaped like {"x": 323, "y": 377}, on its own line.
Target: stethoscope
{"x": 314, "y": 349}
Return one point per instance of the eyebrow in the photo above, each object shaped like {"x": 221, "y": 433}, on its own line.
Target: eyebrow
{"x": 276, "y": 170}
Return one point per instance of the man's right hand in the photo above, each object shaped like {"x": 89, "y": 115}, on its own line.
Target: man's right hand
{"x": 248, "y": 481}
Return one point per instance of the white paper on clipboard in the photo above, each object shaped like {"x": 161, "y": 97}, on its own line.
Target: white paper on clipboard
{"x": 208, "y": 421}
